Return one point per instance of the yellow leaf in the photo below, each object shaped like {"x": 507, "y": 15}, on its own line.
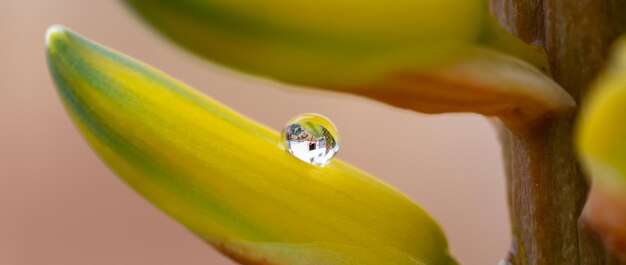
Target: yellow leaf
{"x": 423, "y": 55}
{"x": 225, "y": 177}
{"x": 601, "y": 143}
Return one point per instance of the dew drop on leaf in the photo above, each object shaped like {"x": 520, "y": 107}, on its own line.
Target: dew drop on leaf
{"x": 311, "y": 138}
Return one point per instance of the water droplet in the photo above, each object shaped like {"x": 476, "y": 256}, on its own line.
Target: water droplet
{"x": 311, "y": 138}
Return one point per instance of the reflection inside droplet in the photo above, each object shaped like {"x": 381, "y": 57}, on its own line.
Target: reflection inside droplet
{"x": 311, "y": 138}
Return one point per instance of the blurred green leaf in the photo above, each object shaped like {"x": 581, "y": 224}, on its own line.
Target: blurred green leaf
{"x": 427, "y": 56}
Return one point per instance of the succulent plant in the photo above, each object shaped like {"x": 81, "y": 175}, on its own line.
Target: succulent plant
{"x": 225, "y": 177}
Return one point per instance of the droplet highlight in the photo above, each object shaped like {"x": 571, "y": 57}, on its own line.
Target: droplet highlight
{"x": 311, "y": 138}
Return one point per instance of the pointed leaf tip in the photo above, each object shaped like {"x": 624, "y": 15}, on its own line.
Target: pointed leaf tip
{"x": 51, "y": 31}
{"x": 54, "y": 32}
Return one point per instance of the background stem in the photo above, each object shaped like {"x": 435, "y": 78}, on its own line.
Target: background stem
{"x": 546, "y": 187}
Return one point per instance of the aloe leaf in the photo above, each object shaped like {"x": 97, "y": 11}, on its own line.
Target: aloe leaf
{"x": 327, "y": 41}
{"x": 225, "y": 177}
{"x": 426, "y": 56}
{"x": 601, "y": 143}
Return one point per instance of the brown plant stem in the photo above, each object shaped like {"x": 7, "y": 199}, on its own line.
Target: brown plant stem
{"x": 546, "y": 187}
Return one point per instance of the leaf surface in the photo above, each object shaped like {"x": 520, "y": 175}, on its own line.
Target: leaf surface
{"x": 427, "y": 56}
{"x": 601, "y": 143}
{"x": 225, "y": 177}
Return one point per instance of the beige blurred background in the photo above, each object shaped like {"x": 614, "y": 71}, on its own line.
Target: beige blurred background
{"x": 60, "y": 205}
